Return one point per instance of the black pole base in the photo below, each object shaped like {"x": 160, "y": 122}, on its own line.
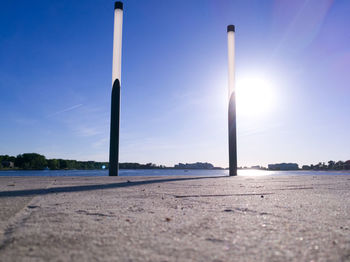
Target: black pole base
{"x": 233, "y": 173}
{"x": 232, "y": 136}
{"x": 114, "y": 135}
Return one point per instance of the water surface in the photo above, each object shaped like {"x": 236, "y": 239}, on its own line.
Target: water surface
{"x": 163, "y": 172}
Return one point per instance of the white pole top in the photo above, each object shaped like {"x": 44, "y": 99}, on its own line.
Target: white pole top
{"x": 231, "y": 59}
{"x": 117, "y": 41}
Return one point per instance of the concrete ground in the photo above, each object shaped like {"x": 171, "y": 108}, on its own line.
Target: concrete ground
{"x": 271, "y": 218}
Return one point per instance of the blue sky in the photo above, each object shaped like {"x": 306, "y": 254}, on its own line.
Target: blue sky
{"x": 56, "y": 67}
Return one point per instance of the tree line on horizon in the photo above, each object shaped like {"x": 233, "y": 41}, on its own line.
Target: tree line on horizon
{"x": 34, "y": 161}
{"x": 332, "y": 165}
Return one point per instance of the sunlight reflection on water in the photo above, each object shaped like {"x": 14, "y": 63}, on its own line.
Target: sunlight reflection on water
{"x": 254, "y": 172}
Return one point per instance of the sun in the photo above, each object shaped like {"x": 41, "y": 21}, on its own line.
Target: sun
{"x": 255, "y": 95}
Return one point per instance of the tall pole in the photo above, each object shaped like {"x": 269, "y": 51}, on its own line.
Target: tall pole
{"x": 232, "y": 133}
{"x": 116, "y": 80}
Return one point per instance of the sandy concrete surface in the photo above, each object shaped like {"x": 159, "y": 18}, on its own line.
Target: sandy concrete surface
{"x": 271, "y": 218}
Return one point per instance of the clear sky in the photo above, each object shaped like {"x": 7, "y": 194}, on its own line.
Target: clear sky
{"x": 56, "y": 73}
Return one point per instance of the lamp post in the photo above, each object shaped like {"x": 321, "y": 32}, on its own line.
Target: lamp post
{"x": 232, "y": 133}
{"x": 116, "y": 81}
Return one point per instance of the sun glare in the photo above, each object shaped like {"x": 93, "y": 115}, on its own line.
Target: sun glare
{"x": 255, "y": 95}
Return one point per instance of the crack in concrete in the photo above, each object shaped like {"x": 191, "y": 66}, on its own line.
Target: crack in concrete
{"x": 11, "y": 228}
{"x": 18, "y": 220}
{"x": 224, "y": 195}
{"x": 295, "y": 188}
{"x": 93, "y": 213}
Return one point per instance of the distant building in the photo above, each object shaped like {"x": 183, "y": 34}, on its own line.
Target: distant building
{"x": 7, "y": 164}
{"x": 283, "y": 166}
{"x": 306, "y": 167}
{"x": 255, "y": 167}
{"x": 347, "y": 165}
{"x": 197, "y": 165}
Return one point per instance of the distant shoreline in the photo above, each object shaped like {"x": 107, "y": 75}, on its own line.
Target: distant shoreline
{"x": 35, "y": 161}
{"x": 169, "y": 168}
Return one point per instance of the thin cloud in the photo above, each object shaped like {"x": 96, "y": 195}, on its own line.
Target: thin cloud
{"x": 86, "y": 131}
{"x": 65, "y": 110}
{"x": 100, "y": 143}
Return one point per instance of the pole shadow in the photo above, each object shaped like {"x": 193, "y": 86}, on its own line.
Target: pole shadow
{"x": 55, "y": 190}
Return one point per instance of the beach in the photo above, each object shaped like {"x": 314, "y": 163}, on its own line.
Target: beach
{"x": 178, "y": 218}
